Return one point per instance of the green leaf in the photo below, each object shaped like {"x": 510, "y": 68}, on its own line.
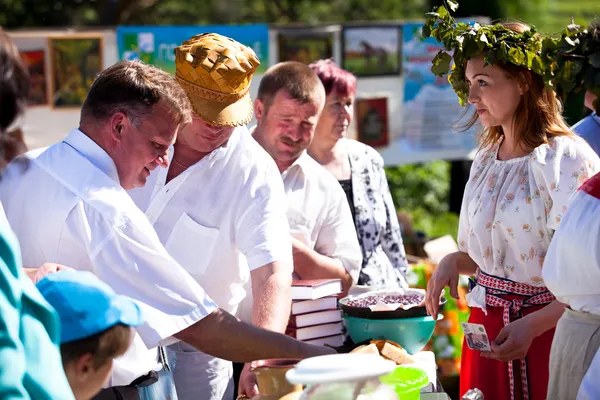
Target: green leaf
{"x": 441, "y": 63}
{"x": 443, "y": 13}
{"x": 516, "y": 56}
{"x": 489, "y": 58}
{"x": 530, "y": 56}
{"x": 426, "y": 31}
{"x": 595, "y": 60}
{"x": 537, "y": 65}
{"x": 502, "y": 53}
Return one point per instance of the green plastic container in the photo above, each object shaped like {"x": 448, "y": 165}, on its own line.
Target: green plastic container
{"x": 407, "y": 382}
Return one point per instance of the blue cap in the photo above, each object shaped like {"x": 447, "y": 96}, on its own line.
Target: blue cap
{"x": 86, "y": 305}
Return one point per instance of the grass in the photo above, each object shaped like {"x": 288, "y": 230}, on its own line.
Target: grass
{"x": 359, "y": 65}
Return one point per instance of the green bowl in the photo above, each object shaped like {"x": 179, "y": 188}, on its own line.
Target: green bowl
{"x": 410, "y": 333}
{"x": 407, "y": 382}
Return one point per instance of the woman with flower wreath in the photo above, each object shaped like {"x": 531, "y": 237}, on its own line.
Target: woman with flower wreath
{"x": 528, "y": 166}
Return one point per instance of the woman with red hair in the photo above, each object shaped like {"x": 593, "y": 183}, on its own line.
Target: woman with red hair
{"x": 359, "y": 169}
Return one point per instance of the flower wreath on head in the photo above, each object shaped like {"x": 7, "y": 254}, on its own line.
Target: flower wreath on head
{"x": 495, "y": 43}
{"x": 575, "y": 61}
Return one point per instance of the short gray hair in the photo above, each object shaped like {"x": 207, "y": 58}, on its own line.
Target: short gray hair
{"x": 134, "y": 88}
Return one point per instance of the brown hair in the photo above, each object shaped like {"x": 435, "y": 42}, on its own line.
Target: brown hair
{"x": 134, "y": 88}
{"x": 298, "y": 80}
{"x": 103, "y": 346}
{"x": 539, "y": 115}
{"x": 14, "y": 82}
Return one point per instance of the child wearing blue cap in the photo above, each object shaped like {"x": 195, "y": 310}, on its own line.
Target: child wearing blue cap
{"x": 95, "y": 327}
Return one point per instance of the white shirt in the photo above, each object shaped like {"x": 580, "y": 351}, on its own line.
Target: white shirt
{"x": 319, "y": 214}
{"x": 67, "y": 207}
{"x": 572, "y": 267}
{"x": 222, "y": 217}
{"x": 511, "y": 208}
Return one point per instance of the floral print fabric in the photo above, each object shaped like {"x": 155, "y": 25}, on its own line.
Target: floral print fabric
{"x": 384, "y": 260}
{"x": 511, "y": 208}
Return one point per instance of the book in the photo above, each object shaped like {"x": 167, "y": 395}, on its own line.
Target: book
{"x": 308, "y": 306}
{"x": 334, "y": 340}
{"x": 312, "y": 289}
{"x": 316, "y": 331}
{"x": 316, "y": 318}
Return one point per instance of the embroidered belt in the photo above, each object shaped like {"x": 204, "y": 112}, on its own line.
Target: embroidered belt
{"x": 496, "y": 289}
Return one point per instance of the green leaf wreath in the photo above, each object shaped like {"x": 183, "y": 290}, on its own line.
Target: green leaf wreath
{"x": 575, "y": 62}
{"x": 497, "y": 44}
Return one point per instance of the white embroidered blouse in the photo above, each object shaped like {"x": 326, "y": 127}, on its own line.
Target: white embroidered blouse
{"x": 511, "y": 208}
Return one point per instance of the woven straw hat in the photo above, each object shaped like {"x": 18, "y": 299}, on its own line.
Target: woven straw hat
{"x": 215, "y": 71}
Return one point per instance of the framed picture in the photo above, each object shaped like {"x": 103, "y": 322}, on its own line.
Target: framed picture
{"x": 74, "y": 61}
{"x": 372, "y": 50}
{"x": 304, "y": 45}
{"x": 372, "y": 121}
{"x": 35, "y": 60}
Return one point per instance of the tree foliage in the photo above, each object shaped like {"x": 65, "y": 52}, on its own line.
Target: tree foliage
{"x": 574, "y": 60}
{"x": 74, "y": 13}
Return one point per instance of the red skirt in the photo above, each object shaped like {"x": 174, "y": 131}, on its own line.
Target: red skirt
{"x": 491, "y": 376}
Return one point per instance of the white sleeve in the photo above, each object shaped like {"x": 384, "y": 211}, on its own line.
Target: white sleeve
{"x": 337, "y": 237}
{"x": 559, "y": 170}
{"x": 262, "y": 230}
{"x": 131, "y": 260}
{"x": 590, "y": 385}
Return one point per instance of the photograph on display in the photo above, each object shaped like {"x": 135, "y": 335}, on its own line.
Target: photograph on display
{"x": 305, "y": 46}
{"x": 75, "y": 61}
{"x": 372, "y": 124}
{"x": 35, "y": 60}
{"x": 372, "y": 50}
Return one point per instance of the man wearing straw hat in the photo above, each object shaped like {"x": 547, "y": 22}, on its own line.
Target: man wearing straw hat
{"x": 220, "y": 207}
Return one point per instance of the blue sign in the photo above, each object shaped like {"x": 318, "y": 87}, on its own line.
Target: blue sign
{"x": 156, "y": 44}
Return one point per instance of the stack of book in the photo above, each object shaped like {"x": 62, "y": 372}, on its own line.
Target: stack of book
{"x": 315, "y": 316}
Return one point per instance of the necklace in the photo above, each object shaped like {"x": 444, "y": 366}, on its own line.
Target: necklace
{"x": 180, "y": 164}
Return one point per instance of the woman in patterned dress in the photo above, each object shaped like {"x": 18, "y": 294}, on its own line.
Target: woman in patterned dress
{"x": 528, "y": 166}
{"x": 359, "y": 169}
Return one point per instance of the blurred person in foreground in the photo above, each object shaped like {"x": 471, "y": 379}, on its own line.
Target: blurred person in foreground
{"x": 29, "y": 328}
{"x": 71, "y": 206}
{"x": 220, "y": 208}
{"x": 359, "y": 170}
{"x": 95, "y": 329}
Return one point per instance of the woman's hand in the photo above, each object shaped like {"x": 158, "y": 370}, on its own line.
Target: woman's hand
{"x": 445, "y": 274}
{"x": 513, "y": 341}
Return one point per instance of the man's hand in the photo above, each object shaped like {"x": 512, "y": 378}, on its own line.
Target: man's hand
{"x": 37, "y": 274}
{"x": 513, "y": 341}
{"x": 248, "y": 385}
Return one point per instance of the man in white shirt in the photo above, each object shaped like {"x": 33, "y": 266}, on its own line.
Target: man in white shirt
{"x": 68, "y": 205}
{"x": 219, "y": 208}
{"x": 290, "y": 100}
{"x": 572, "y": 273}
